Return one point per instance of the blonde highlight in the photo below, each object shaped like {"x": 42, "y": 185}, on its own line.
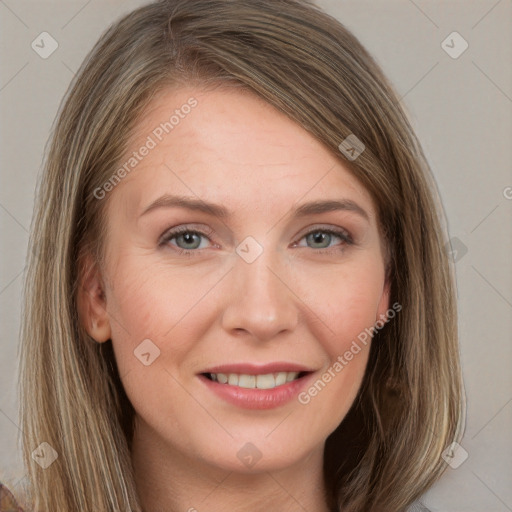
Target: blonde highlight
{"x": 387, "y": 451}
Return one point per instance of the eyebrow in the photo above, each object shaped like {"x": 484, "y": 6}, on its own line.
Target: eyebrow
{"x": 316, "y": 207}
{"x": 310, "y": 208}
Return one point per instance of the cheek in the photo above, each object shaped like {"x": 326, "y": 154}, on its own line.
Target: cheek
{"x": 140, "y": 308}
{"x": 349, "y": 309}
{"x": 144, "y": 305}
{"x": 347, "y": 300}
{"x": 151, "y": 301}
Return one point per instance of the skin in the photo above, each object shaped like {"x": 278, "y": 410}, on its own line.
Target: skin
{"x": 300, "y": 301}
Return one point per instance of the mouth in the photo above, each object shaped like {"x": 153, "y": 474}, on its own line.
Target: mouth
{"x": 258, "y": 381}
{"x": 257, "y": 376}
{"x": 257, "y": 386}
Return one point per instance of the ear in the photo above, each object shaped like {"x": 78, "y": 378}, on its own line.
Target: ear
{"x": 91, "y": 301}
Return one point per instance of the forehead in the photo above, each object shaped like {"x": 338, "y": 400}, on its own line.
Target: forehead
{"x": 229, "y": 146}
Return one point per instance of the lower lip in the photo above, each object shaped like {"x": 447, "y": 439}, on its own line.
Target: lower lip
{"x": 257, "y": 398}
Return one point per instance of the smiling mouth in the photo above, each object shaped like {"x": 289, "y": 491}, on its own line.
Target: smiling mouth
{"x": 264, "y": 381}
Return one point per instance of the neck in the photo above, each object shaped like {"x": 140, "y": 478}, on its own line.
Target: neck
{"x": 168, "y": 480}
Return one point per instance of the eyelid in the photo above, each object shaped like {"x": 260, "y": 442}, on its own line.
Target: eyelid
{"x": 184, "y": 228}
{"x": 336, "y": 230}
{"x": 206, "y": 232}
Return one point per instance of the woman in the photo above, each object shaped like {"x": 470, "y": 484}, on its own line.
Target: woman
{"x": 189, "y": 341}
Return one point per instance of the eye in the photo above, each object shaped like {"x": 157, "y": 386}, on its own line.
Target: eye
{"x": 185, "y": 240}
{"x": 325, "y": 239}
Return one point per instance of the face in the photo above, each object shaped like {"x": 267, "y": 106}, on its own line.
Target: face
{"x": 243, "y": 261}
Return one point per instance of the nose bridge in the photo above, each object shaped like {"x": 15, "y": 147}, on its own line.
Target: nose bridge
{"x": 260, "y": 300}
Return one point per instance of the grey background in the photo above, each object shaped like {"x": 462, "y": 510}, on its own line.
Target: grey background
{"x": 461, "y": 110}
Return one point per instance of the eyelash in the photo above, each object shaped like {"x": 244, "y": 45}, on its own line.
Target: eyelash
{"x": 169, "y": 235}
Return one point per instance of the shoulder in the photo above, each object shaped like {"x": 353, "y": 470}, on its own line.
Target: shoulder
{"x": 7, "y": 501}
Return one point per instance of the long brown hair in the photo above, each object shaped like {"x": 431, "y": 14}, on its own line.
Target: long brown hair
{"x": 410, "y": 407}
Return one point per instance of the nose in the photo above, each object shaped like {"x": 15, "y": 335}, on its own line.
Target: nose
{"x": 261, "y": 301}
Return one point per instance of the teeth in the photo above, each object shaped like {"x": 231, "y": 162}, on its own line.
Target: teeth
{"x": 247, "y": 381}
{"x": 266, "y": 381}
{"x": 290, "y": 376}
{"x": 280, "y": 378}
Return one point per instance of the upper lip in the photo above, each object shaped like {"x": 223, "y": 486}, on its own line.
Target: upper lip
{"x": 258, "y": 369}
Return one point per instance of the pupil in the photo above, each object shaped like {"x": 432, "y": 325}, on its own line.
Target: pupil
{"x": 188, "y": 238}
{"x": 320, "y": 238}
